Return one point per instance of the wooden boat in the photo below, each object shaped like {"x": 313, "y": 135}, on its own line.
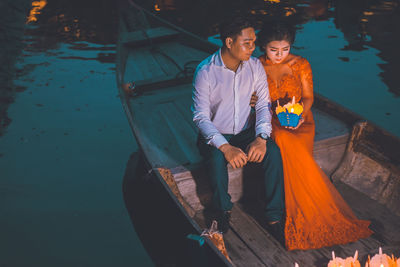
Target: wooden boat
{"x": 166, "y": 189}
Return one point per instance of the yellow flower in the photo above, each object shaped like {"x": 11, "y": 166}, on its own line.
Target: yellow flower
{"x": 297, "y": 109}
{"x": 279, "y": 109}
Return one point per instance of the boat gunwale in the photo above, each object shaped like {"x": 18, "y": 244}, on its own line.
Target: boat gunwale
{"x": 193, "y": 223}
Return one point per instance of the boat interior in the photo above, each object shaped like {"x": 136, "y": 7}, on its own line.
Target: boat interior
{"x": 157, "y": 66}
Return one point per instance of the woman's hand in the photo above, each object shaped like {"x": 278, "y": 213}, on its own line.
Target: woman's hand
{"x": 298, "y": 125}
{"x": 253, "y": 100}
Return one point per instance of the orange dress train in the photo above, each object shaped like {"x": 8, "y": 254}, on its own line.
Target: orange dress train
{"x": 316, "y": 214}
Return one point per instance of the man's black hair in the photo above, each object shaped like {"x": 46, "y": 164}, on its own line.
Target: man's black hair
{"x": 276, "y": 31}
{"x": 233, "y": 27}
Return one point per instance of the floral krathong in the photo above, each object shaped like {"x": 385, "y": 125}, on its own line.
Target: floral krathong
{"x": 378, "y": 260}
{"x": 289, "y": 114}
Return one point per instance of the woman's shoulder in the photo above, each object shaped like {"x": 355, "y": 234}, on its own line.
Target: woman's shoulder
{"x": 297, "y": 60}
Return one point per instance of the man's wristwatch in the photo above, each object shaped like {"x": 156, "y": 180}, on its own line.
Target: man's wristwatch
{"x": 263, "y": 136}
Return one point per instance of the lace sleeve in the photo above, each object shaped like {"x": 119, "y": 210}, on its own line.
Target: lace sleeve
{"x": 306, "y": 73}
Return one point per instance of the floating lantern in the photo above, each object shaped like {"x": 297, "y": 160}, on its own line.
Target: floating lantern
{"x": 392, "y": 261}
{"x": 379, "y": 260}
{"x": 352, "y": 261}
{"x": 289, "y": 114}
{"x": 336, "y": 261}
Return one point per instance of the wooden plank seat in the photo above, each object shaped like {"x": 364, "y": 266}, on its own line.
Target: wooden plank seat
{"x": 329, "y": 148}
{"x": 147, "y": 36}
{"x": 173, "y": 145}
{"x": 244, "y": 182}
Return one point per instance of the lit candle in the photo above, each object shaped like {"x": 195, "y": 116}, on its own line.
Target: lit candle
{"x": 336, "y": 261}
{"x": 352, "y": 261}
{"x": 379, "y": 260}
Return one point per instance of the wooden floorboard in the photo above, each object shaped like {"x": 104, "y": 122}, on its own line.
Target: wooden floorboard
{"x": 142, "y": 61}
{"x": 268, "y": 250}
{"x": 183, "y": 54}
{"x": 184, "y": 108}
{"x": 327, "y": 126}
{"x": 384, "y": 223}
{"x": 158, "y": 143}
{"x": 162, "y": 96}
{"x": 148, "y": 36}
{"x": 165, "y": 62}
{"x": 132, "y": 69}
{"x": 246, "y": 233}
{"x": 238, "y": 251}
{"x": 182, "y": 131}
{"x": 271, "y": 251}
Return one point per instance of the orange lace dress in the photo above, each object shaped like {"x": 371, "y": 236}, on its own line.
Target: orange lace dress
{"x": 316, "y": 214}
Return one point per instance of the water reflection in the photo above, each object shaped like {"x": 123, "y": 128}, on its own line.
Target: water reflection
{"x": 60, "y": 103}
{"x": 36, "y": 7}
{"x": 74, "y": 20}
{"x": 12, "y": 20}
{"x": 48, "y": 26}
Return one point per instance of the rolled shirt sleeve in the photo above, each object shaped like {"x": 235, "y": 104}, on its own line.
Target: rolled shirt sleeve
{"x": 201, "y": 109}
{"x": 262, "y": 107}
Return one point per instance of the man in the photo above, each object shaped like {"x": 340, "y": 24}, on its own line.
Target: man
{"x": 223, "y": 85}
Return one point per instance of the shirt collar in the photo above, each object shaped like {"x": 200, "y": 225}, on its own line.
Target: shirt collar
{"x": 218, "y": 59}
{"x": 220, "y": 62}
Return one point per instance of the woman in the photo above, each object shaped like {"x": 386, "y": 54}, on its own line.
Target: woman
{"x": 316, "y": 214}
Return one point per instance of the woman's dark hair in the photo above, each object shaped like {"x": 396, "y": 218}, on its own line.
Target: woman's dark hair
{"x": 233, "y": 27}
{"x": 276, "y": 31}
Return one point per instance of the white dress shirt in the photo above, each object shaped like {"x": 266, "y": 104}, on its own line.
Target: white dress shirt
{"x": 221, "y": 99}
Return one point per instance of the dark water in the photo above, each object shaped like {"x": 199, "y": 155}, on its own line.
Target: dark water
{"x": 65, "y": 142}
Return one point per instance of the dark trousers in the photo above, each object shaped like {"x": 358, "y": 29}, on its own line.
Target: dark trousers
{"x": 271, "y": 165}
